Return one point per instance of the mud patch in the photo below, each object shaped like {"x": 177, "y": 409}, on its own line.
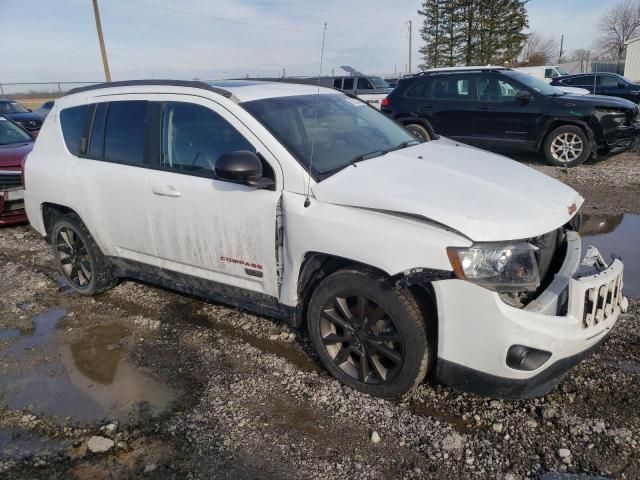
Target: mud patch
{"x": 16, "y": 444}
{"x": 85, "y": 380}
{"x": 617, "y": 235}
{"x": 460, "y": 424}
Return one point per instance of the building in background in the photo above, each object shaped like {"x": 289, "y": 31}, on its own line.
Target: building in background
{"x": 632, "y": 65}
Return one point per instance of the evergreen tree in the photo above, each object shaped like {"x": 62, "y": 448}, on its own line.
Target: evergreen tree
{"x": 472, "y": 32}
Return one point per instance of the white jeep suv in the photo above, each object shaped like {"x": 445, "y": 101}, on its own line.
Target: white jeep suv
{"x": 402, "y": 259}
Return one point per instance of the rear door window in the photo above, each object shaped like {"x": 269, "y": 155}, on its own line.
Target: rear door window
{"x": 452, "y": 88}
{"x": 74, "y": 122}
{"x": 125, "y": 128}
{"x": 420, "y": 89}
{"x": 347, "y": 84}
{"x": 337, "y": 83}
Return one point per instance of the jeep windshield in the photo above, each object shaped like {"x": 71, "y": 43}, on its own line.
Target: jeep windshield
{"x": 335, "y": 129}
{"x": 540, "y": 86}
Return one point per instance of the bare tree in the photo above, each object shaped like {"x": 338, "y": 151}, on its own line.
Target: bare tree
{"x": 538, "y": 50}
{"x": 617, "y": 26}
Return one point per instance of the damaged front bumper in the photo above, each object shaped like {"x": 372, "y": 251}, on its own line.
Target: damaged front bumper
{"x": 488, "y": 347}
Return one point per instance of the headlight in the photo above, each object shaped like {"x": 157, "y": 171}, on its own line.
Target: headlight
{"x": 499, "y": 267}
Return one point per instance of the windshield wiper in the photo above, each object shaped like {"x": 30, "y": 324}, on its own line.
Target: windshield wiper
{"x": 408, "y": 143}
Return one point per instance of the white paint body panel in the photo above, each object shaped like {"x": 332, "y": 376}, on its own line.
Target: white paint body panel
{"x": 484, "y": 196}
{"x": 396, "y": 213}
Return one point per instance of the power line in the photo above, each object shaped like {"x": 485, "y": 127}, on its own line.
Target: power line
{"x": 240, "y": 22}
{"x": 339, "y": 14}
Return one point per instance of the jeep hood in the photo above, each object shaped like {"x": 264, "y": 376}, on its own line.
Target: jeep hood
{"x": 484, "y": 196}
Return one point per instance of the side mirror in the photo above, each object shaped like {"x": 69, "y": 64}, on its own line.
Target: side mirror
{"x": 524, "y": 96}
{"x": 621, "y": 85}
{"x": 242, "y": 166}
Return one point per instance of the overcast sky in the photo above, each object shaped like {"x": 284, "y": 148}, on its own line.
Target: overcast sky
{"x": 55, "y": 40}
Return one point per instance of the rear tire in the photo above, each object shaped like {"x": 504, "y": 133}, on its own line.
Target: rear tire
{"x": 369, "y": 334}
{"x": 419, "y": 131}
{"x": 79, "y": 258}
{"x": 567, "y": 146}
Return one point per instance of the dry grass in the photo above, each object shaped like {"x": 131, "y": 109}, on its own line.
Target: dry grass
{"x": 34, "y": 103}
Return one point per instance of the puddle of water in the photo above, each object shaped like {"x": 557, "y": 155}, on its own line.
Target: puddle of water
{"x": 86, "y": 380}
{"x": 616, "y": 235}
{"x": 455, "y": 421}
{"x": 10, "y": 333}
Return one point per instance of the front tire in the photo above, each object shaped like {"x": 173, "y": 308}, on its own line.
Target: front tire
{"x": 419, "y": 131}
{"x": 567, "y": 146}
{"x": 368, "y": 334}
{"x": 79, "y": 258}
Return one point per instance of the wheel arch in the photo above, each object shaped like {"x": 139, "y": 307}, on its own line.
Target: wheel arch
{"x": 50, "y": 214}
{"x": 317, "y": 265}
{"x": 554, "y": 123}
{"x": 423, "y": 122}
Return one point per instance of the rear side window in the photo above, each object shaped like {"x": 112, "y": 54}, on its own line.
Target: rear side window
{"x": 347, "y": 84}
{"x": 337, "y": 83}
{"x": 420, "y": 89}
{"x": 124, "y": 134}
{"x": 74, "y": 121}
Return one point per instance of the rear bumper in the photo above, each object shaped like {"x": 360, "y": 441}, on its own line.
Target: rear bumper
{"x": 477, "y": 330}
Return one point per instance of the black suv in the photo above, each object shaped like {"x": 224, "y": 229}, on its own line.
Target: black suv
{"x": 502, "y": 109}
{"x": 610, "y": 84}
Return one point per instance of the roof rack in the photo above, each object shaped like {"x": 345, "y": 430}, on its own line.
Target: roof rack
{"x": 458, "y": 70}
{"x": 154, "y": 82}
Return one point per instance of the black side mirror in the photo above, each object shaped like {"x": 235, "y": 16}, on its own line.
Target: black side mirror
{"x": 621, "y": 85}
{"x": 524, "y": 96}
{"x": 242, "y": 166}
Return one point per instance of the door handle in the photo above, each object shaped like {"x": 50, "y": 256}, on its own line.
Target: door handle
{"x": 484, "y": 107}
{"x": 166, "y": 191}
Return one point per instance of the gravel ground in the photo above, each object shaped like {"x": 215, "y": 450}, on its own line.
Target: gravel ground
{"x": 609, "y": 185}
{"x": 228, "y": 394}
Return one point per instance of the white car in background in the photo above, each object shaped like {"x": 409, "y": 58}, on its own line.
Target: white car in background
{"x": 402, "y": 259}
{"x": 548, "y": 73}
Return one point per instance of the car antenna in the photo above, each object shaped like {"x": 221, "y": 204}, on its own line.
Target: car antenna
{"x": 307, "y": 202}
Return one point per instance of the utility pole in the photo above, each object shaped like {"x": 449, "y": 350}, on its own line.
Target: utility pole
{"x": 105, "y": 63}
{"x": 561, "y": 46}
{"x": 410, "y": 35}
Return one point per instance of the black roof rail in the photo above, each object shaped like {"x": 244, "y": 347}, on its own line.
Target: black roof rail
{"x": 458, "y": 70}
{"x": 154, "y": 82}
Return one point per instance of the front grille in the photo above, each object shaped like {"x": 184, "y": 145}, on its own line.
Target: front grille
{"x": 10, "y": 180}
{"x": 31, "y": 124}
{"x": 600, "y": 302}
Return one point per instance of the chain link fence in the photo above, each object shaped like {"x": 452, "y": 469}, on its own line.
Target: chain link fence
{"x": 33, "y": 94}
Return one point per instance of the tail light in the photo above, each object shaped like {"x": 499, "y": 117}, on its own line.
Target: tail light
{"x": 385, "y": 102}
{"x": 22, "y": 164}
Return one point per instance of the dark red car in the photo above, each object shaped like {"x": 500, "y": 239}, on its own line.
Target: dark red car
{"x": 15, "y": 144}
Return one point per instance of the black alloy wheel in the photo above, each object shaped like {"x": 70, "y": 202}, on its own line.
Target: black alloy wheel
{"x": 361, "y": 338}
{"x": 75, "y": 262}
